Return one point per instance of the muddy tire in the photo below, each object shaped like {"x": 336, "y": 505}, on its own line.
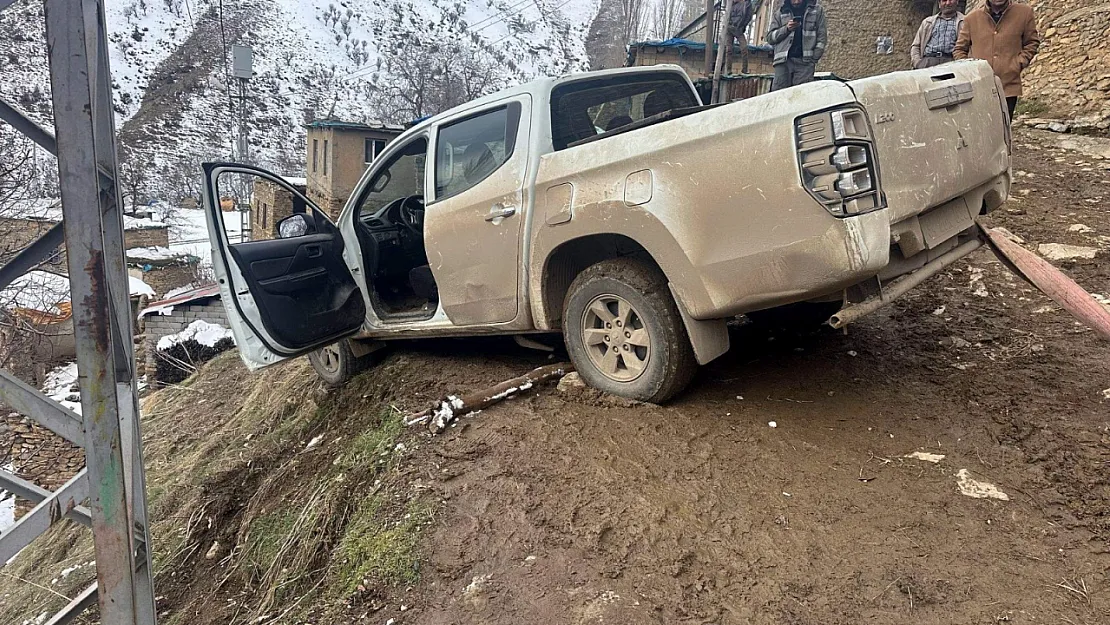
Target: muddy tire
{"x": 624, "y": 333}
{"x": 335, "y": 363}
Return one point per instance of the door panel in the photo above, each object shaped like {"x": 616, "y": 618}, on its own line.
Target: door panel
{"x": 473, "y": 235}
{"x": 284, "y": 296}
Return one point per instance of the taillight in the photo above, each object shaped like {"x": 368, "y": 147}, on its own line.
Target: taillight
{"x": 837, "y": 159}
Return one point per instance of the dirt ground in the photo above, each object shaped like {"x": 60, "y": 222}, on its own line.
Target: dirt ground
{"x": 570, "y": 507}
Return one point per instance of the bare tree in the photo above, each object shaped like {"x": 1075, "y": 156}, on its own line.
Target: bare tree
{"x": 417, "y": 81}
{"x": 667, "y": 16}
{"x": 636, "y": 19}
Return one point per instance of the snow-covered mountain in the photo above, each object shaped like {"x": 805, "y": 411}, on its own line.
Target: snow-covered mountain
{"x": 349, "y": 59}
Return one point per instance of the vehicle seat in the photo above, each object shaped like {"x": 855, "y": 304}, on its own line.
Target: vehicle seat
{"x": 617, "y": 122}
{"x": 424, "y": 283}
{"x": 657, "y": 102}
{"x": 478, "y": 162}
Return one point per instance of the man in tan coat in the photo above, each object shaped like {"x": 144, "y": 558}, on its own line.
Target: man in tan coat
{"x": 1004, "y": 33}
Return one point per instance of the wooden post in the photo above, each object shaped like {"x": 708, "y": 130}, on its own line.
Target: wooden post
{"x": 710, "y": 36}
{"x": 725, "y": 40}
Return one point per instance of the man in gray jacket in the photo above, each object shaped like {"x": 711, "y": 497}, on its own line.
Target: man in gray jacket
{"x": 799, "y": 33}
{"x": 936, "y": 38}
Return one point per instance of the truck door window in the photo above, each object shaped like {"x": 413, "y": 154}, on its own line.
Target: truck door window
{"x": 585, "y": 108}
{"x": 401, "y": 177}
{"x": 469, "y": 150}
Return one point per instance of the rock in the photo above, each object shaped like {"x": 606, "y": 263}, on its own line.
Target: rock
{"x": 213, "y": 551}
{"x": 954, "y": 341}
{"x": 1058, "y": 127}
{"x": 570, "y": 382}
{"x": 1080, "y": 228}
{"x": 1060, "y": 251}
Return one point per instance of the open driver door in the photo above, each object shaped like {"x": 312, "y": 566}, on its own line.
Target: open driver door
{"x": 284, "y": 296}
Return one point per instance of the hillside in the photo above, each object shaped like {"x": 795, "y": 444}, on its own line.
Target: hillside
{"x": 352, "y": 59}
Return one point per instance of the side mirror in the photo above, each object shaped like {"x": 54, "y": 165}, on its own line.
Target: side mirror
{"x": 296, "y": 225}
{"x": 383, "y": 179}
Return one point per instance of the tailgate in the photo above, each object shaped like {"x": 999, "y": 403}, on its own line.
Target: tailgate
{"x": 939, "y": 133}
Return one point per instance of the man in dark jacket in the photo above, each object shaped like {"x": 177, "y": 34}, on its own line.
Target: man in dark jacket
{"x": 738, "y": 20}
{"x": 799, "y": 33}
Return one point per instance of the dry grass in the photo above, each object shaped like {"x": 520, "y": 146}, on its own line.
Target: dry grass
{"x": 240, "y": 508}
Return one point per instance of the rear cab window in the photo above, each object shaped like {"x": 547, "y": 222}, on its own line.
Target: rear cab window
{"x": 586, "y": 108}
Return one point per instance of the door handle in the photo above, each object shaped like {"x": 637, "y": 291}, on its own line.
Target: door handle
{"x": 313, "y": 251}
{"x": 501, "y": 211}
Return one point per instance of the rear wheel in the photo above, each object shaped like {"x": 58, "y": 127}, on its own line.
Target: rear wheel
{"x": 624, "y": 333}
{"x": 335, "y": 363}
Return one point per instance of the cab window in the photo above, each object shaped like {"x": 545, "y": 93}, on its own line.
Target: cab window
{"x": 469, "y": 150}
{"x": 586, "y": 108}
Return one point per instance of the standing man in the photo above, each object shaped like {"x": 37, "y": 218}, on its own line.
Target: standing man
{"x": 799, "y": 33}
{"x": 738, "y": 21}
{"x": 935, "y": 42}
{"x": 1004, "y": 33}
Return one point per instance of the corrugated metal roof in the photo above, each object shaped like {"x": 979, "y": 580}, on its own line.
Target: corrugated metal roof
{"x": 166, "y": 306}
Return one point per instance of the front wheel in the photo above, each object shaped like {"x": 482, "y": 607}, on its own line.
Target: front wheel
{"x": 624, "y": 333}
{"x": 336, "y": 363}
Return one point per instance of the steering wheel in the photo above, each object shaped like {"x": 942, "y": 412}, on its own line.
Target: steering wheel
{"x": 411, "y": 213}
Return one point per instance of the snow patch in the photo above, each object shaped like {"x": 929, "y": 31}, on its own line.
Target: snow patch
{"x": 61, "y": 386}
{"x": 207, "y": 334}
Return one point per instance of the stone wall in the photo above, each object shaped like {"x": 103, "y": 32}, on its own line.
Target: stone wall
{"x": 146, "y": 237}
{"x": 15, "y": 234}
{"x": 856, "y": 25}
{"x": 166, "y": 278}
{"x": 1071, "y": 74}
{"x": 38, "y": 455}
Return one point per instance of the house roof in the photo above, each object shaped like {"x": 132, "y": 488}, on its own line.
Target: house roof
{"x": 180, "y": 298}
{"x": 376, "y": 125}
{"x": 49, "y": 210}
{"x": 43, "y": 297}
{"x": 675, "y": 42}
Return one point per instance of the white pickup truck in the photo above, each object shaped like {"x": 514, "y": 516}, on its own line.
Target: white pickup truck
{"x": 617, "y": 209}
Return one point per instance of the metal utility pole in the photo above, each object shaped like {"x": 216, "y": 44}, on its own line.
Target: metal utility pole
{"x": 242, "y": 69}
{"x": 112, "y": 481}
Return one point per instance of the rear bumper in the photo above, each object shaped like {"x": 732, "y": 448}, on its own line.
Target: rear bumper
{"x": 847, "y": 252}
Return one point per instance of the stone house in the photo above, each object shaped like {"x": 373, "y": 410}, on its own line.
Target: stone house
{"x": 162, "y": 268}
{"x": 338, "y": 153}
{"x": 270, "y": 203}
{"x": 38, "y": 329}
{"x": 25, "y": 222}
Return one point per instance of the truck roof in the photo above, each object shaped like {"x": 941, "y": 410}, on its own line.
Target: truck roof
{"x": 539, "y": 87}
